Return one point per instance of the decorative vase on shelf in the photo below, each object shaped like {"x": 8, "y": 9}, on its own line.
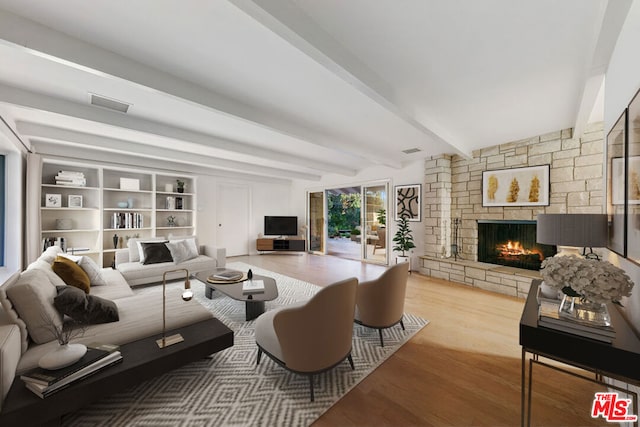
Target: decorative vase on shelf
{"x": 130, "y": 203}
{"x": 581, "y": 310}
{"x": 115, "y": 241}
{"x": 63, "y": 355}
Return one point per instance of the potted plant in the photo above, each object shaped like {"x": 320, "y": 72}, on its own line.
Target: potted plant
{"x": 180, "y": 185}
{"x": 403, "y": 240}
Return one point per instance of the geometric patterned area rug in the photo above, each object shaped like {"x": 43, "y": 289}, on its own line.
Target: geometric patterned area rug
{"x": 229, "y": 389}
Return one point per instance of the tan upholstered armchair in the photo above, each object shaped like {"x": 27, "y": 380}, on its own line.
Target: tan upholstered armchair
{"x": 380, "y": 302}
{"x": 311, "y": 337}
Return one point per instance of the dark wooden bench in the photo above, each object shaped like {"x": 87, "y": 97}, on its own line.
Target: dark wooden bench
{"x": 142, "y": 360}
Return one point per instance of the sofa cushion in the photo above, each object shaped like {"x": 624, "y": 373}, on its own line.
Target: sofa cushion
{"x": 50, "y": 254}
{"x": 45, "y": 266}
{"x": 92, "y": 270}
{"x": 71, "y": 273}
{"x": 84, "y": 308}
{"x": 32, "y": 296}
{"x": 136, "y": 273}
{"x": 134, "y": 248}
{"x": 155, "y": 253}
{"x": 191, "y": 241}
{"x": 140, "y": 317}
{"x": 11, "y": 315}
{"x": 181, "y": 250}
{"x": 117, "y": 287}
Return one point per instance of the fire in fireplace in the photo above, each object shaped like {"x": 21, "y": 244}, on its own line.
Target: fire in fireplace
{"x": 511, "y": 243}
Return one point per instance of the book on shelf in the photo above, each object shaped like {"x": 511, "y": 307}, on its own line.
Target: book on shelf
{"x": 252, "y": 286}
{"x": 42, "y": 390}
{"x": 228, "y": 275}
{"x": 549, "y": 317}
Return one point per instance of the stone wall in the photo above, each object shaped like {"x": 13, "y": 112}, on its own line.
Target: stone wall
{"x": 453, "y": 189}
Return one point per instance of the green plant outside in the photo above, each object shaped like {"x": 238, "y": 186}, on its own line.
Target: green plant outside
{"x": 344, "y": 212}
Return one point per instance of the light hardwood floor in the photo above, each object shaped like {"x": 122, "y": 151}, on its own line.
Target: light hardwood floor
{"x": 463, "y": 369}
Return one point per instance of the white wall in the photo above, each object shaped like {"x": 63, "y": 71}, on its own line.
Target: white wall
{"x": 621, "y": 83}
{"x": 266, "y": 198}
{"x": 412, "y": 173}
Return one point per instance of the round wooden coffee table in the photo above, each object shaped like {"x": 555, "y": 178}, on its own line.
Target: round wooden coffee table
{"x": 254, "y": 302}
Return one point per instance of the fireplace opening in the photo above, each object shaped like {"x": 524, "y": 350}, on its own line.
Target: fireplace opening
{"x": 511, "y": 243}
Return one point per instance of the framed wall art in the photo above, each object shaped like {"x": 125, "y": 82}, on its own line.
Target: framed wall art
{"x": 75, "y": 201}
{"x": 527, "y": 186}
{"x": 53, "y": 200}
{"x": 633, "y": 180}
{"x": 408, "y": 202}
{"x": 616, "y": 175}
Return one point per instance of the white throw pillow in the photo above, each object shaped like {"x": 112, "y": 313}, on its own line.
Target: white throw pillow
{"x": 93, "y": 271}
{"x": 32, "y": 298}
{"x": 190, "y": 240}
{"x": 181, "y": 250}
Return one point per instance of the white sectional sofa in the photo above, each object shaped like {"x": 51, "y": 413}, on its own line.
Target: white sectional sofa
{"x": 139, "y": 315}
{"x": 128, "y": 261}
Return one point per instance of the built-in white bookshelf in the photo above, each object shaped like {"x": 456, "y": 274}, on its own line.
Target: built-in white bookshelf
{"x": 96, "y": 209}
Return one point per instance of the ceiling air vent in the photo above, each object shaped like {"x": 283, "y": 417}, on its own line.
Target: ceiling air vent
{"x": 110, "y": 103}
{"x": 411, "y": 150}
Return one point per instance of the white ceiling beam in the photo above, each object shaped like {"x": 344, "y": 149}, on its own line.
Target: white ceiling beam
{"x": 28, "y": 99}
{"x": 43, "y": 133}
{"x": 613, "y": 15}
{"x": 283, "y": 18}
{"x": 39, "y": 40}
{"x": 54, "y": 151}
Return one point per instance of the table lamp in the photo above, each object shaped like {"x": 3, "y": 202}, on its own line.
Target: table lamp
{"x": 166, "y": 341}
{"x": 572, "y": 231}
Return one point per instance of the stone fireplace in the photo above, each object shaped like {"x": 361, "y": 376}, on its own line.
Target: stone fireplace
{"x": 453, "y": 208}
{"x": 511, "y": 243}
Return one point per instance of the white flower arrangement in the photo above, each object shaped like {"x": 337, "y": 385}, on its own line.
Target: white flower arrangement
{"x": 589, "y": 279}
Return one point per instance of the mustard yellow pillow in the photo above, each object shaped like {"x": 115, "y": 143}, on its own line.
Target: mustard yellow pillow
{"x": 71, "y": 273}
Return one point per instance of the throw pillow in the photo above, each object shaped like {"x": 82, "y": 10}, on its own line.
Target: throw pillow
{"x": 189, "y": 240}
{"x": 11, "y": 313}
{"x": 155, "y": 253}
{"x": 181, "y": 251}
{"x": 135, "y": 249}
{"x": 32, "y": 297}
{"x": 71, "y": 273}
{"x": 85, "y": 308}
{"x": 92, "y": 270}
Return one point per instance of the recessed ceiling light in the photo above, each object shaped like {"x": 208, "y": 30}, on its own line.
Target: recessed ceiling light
{"x": 110, "y": 103}
{"x": 411, "y": 150}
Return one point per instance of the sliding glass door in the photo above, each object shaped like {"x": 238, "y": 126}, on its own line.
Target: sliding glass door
{"x": 374, "y": 237}
{"x": 316, "y": 215}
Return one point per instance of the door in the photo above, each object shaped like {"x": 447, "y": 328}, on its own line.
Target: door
{"x": 233, "y": 213}
{"x": 316, "y": 215}
{"x": 374, "y": 238}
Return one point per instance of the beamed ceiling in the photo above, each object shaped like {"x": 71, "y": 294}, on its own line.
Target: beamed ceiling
{"x": 298, "y": 89}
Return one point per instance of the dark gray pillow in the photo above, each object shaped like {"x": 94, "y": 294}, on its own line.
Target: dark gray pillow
{"x": 156, "y": 252}
{"x": 84, "y": 308}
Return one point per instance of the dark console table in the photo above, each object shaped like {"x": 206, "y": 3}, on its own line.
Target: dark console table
{"x": 619, "y": 360}
{"x": 141, "y": 360}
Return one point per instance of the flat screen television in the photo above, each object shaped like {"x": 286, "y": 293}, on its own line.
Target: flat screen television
{"x": 280, "y": 225}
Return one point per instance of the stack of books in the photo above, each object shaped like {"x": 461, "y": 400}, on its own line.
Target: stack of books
{"x": 45, "y": 382}
{"x": 252, "y": 286}
{"x": 549, "y": 317}
{"x": 71, "y": 179}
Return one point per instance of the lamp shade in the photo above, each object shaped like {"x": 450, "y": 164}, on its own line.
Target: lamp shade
{"x": 579, "y": 230}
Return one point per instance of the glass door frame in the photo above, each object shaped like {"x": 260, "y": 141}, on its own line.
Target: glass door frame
{"x": 325, "y": 233}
